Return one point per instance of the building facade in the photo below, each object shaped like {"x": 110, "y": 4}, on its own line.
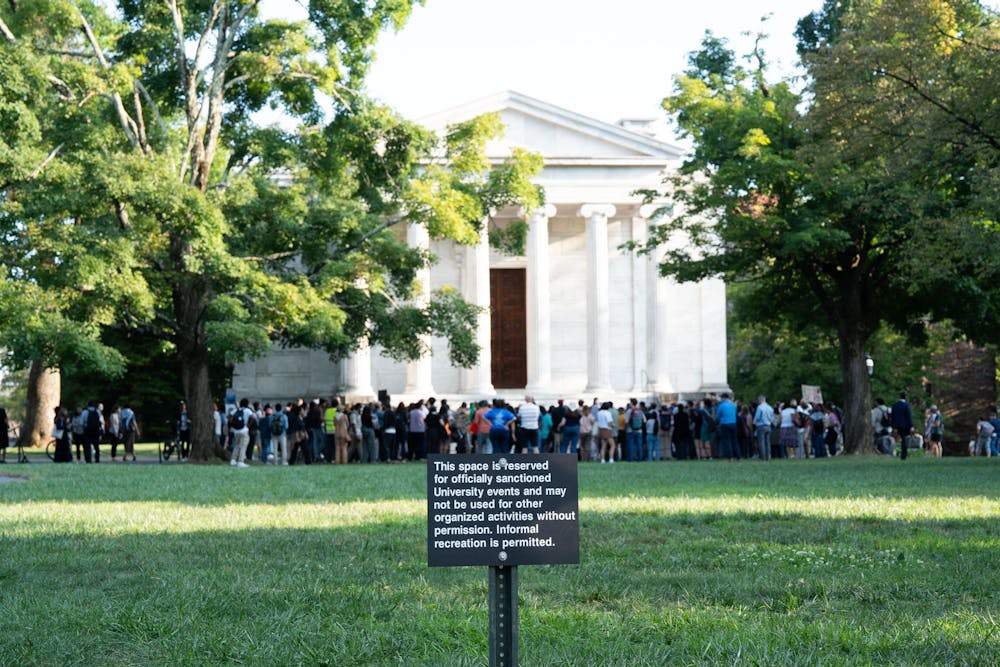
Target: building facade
{"x": 576, "y": 315}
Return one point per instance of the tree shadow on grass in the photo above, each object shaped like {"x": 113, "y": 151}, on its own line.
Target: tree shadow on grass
{"x": 810, "y": 480}
{"x": 694, "y": 588}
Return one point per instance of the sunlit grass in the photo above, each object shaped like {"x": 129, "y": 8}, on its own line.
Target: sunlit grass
{"x": 820, "y": 562}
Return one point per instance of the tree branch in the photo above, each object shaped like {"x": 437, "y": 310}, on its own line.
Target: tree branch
{"x": 128, "y": 124}
{"x": 6, "y": 32}
{"x": 38, "y": 170}
{"x": 975, "y": 126}
{"x": 375, "y": 230}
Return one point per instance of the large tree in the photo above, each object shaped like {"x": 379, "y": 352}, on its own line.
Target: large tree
{"x": 226, "y": 232}
{"x": 820, "y": 198}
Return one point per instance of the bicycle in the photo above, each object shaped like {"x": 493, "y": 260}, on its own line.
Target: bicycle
{"x": 172, "y": 444}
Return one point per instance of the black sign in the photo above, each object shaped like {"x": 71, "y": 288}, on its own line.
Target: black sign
{"x": 502, "y": 509}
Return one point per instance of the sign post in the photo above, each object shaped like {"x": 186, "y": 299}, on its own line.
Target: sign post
{"x": 502, "y": 510}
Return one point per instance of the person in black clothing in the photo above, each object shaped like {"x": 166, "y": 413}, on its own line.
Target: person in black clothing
{"x": 683, "y": 443}
{"x": 902, "y": 422}
{"x": 62, "y": 426}
{"x": 4, "y": 435}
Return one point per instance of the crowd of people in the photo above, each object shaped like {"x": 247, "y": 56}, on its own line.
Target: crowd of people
{"x": 334, "y": 431}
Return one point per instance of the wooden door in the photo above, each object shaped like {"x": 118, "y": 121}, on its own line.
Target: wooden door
{"x": 509, "y": 339}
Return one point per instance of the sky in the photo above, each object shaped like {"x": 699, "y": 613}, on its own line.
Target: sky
{"x": 607, "y": 59}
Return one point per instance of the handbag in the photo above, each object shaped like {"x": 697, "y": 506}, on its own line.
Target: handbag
{"x": 57, "y": 433}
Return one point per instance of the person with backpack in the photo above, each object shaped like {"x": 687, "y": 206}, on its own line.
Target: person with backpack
{"x": 128, "y": 431}
{"x": 93, "y": 430}
{"x": 817, "y": 431}
{"x": 881, "y": 423}
{"x": 635, "y": 423}
{"x": 239, "y": 429}
{"x": 652, "y": 435}
{"x": 278, "y": 426}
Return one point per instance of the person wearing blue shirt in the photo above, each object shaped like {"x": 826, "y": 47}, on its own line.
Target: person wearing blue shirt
{"x": 500, "y": 419}
{"x": 725, "y": 414}
{"x": 763, "y": 421}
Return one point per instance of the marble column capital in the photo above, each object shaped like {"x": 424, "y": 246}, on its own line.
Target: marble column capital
{"x": 544, "y": 211}
{"x": 592, "y": 210}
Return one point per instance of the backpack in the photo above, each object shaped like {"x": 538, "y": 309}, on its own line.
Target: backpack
{"x": 886, "y": 418}
{"x": 817, "y": 425}
{"x": 238, "y": 420}
{"x": 636, "y": 420}
{"x": 709, "y": 419}
{"x": 665, "y": 419}
{"x": 126, "y": 424}
{"x": 277, "y": 424}
{"x": 92, "y": 426}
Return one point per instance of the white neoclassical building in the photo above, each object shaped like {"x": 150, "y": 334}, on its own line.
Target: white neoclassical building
{"x": 576, "y": 316}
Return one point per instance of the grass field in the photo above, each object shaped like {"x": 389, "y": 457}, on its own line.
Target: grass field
{"x": 845, "y": 561}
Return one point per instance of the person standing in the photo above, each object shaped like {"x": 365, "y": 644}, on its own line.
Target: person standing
{"x": 369, "y": 449}
{"x": 128, "y": 429}
{"x": 902, "y": 422}
{"x": 635, "y": 422}
{"x": 239, "y": 428}
{"x": 570, "y": 431}
{"x": 183, "y": 430}
{"x": 528, "y": 415}
{"x": 61, "y": 431}
{"x": 114, "y": 431}
{"x": 725, "y": 414}
{"x": 342, "y": 438}
{"x": 605, "y": 433}
{"x": 92, "y": 432}
{"x": 652, "y": 435}
{"x": 483, "y": 444}
{"x": 4, "y": 435}
{"x": 817, "y": 431}
{"x": 279, "y": 436}
{"x": 763, "y": 418}
{"x": 501, "y": 421}
{"x": 588, "y": 448}
{"x": 789, "y": 430}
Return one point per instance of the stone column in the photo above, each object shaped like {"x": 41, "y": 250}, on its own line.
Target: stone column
{"x": 419, "y": 372}
{"x": 641, "y": 381}
{"x": 713, "y": 335}
{"x": 598, "y": 302}
{"x": 660, "y": 342}
{"x": 539, "y": 306}
{"x": 358, "y": 374}
{"x": 476, "y": 289}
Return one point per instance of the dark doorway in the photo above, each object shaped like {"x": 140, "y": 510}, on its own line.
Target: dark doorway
{"x": 508, "y": 340}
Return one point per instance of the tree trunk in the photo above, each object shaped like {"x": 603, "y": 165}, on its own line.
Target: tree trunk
{"x": 198, "y": 395}
{"x": 190, "y": 295}
{"x": 857, "y": 391}
{"x": 44, "y": 388}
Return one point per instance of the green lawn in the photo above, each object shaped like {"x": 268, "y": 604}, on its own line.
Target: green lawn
{"x": 846, "y": 561}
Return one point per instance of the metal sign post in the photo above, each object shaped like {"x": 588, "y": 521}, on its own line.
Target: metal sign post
{"x": 503, "y": 616}
{"x": 502, "y": 510}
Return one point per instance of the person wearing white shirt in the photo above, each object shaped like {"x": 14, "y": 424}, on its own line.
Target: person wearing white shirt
{"x": 605, "y": 433}
{"x": 527, "y": 416}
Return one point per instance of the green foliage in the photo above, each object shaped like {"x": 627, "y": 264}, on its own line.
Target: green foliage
{"x": 849, "y": 204}
{"x": 140, "y": 195}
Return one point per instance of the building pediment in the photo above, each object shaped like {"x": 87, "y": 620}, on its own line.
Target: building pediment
{"x": 559, "y": 135}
